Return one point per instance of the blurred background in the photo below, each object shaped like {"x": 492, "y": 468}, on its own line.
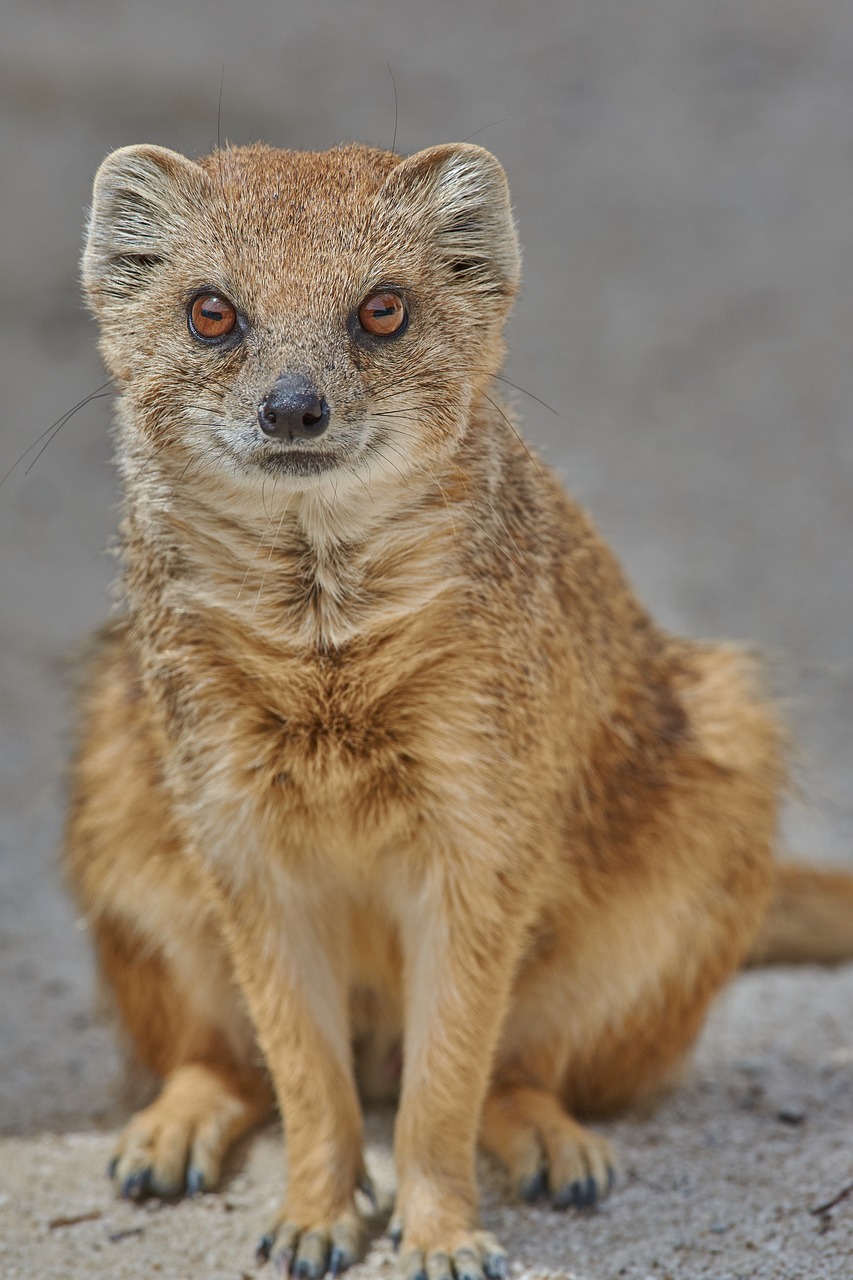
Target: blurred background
{"x": 682, "y": 173}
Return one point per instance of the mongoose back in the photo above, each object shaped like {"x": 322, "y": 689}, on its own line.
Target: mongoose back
{"x": 387, "y": 784}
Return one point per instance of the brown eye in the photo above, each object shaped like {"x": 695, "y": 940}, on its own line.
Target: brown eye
{"x": 383, "y": 314}
{"x": 212, "y": 317}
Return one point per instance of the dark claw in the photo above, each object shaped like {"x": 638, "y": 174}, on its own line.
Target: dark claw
{"x": 588, "y": 1194}
{"x": 533, "y": 1188}
{"x": 263, "y": 1248}
{"x": 395, "y": 1231}
{"x": 136, "y": 1184}
{"x": 582, "y": 1193}
{"x": 112, "y": 1166}
{"x": 307, "y": 1270}
{"x": 366, "y": 1187}
{"x": 339, "y": 1260}
{"x": 496, "y": 1266}
{"x": 567, "y": 1195}
{"x": 312, "y": 1256}
{"x": 195, "y": 1181}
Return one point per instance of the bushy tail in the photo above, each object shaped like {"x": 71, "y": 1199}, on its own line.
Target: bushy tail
{"x": 810, "y": 919}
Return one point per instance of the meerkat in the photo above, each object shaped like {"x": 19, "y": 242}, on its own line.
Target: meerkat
{"x": 386, "y": 781}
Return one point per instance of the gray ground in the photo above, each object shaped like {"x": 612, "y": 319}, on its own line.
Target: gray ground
{"x": 683, "y": 178}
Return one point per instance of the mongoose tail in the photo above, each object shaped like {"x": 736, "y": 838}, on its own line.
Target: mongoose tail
{"x": 810, "y": 918}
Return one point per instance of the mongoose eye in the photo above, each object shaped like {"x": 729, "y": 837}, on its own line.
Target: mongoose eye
{"x": 211, "y": 317}
{"x": 383, "y": 314}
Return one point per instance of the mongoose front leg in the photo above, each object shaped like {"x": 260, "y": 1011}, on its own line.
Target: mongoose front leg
{"x": 460, "y": 946}
{"x": 290, "y": 961}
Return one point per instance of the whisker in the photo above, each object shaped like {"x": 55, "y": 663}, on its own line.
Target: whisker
{"x": 465, "y": 510}
{"x": 515, "y": 432}
{"x": 396, "y": 111}
{"x": 179, "y": 481}
{"x": 544, "y": 403}
{"x": 490, "y": 125}
{"x": 219, "y": 112}
{"x": 54, "y": 429}
{"x": 165, "y": 444}
{"x": 446, "y": 500}
{"x": 254, "y": 557}
{"x": 269, "y": 557}
{"x": 402, "y": 385}
{"x": 401, "y": 474}
{"x": 363, "y": 482}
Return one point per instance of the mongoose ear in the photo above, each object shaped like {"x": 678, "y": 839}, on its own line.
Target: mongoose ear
{"x": 461, "y": 192}
{"x": 140, "y": 201}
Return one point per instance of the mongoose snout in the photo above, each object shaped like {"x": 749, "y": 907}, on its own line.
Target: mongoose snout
{"x": 294, "y": 409}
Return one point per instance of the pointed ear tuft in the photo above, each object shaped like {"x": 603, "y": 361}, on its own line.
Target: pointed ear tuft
{"x": 141, "y": 199}
{"x": 461, "y": 192}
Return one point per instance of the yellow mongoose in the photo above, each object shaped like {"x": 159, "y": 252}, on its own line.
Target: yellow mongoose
{"x": 384, "y": 763}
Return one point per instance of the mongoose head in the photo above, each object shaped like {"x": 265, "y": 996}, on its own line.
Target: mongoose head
{"x": 307, "y": 315}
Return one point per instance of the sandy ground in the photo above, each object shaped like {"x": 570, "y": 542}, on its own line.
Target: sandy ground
{"x": 732, "y": 1176}
{"x": 683, "y": 179}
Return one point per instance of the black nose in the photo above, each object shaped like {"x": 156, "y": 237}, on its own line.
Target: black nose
{"x": 293, "y": 410}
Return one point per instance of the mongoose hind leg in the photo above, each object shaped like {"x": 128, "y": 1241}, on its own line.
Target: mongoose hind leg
{"x": 565, "y": 1055}
{"x": 603, "y": 1020}
{"x": 625, "y": 968}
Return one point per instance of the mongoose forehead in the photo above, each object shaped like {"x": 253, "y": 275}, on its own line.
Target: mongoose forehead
{"x": 310, "y": 216}
{"x": 296, "y": 197}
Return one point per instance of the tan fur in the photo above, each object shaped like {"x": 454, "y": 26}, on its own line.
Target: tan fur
{"x": 384, "y": 749}
{"x": 810, "y": 918}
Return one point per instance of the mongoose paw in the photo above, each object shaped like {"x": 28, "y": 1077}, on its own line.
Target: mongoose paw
{"x": 577, "y": 1193}
{"x": 309, "y": 1251}
{"x": 176, "y": 1146}
{"x": 156, "y": 1162}
{"x": 548, "y": 1154}
{"x": 573, "y": 1170}
{"x": 477, "y": 1255}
